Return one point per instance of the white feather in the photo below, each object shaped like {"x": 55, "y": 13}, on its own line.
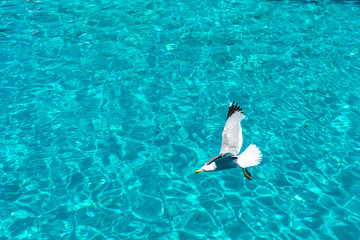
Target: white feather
{"x": 250, "y": 157}
{"x": 232, "y": 134}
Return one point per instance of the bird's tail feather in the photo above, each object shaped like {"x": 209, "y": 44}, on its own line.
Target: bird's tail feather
{"x": 250, "y": 157}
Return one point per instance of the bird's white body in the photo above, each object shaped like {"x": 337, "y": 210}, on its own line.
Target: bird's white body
{"x": 231, "y": 144}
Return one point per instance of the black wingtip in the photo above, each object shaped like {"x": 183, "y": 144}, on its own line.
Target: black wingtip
{"x": 234, "y": 107}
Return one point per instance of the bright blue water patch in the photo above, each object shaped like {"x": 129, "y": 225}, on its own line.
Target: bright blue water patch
{"x": 107, "y": 109}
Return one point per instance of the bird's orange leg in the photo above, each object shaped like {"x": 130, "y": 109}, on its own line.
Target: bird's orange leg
{"x": 248, "y": 172}
{"x": 247, "y": 176}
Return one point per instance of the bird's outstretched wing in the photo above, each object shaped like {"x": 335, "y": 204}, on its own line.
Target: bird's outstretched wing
{"x": 232, "y": 133}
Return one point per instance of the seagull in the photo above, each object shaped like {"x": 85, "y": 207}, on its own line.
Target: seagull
{"x": 230, "y": 147}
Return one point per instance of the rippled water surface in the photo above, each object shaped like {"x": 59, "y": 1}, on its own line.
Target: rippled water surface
{"x": 108, "y": 107}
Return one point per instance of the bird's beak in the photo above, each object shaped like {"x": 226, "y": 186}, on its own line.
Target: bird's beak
{"x": 198, "y": 171}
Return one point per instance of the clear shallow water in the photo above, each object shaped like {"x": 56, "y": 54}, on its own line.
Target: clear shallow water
{"x": 108, "y": 108}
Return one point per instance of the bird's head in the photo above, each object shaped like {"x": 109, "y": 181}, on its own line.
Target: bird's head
{"x": 207, "y": 168}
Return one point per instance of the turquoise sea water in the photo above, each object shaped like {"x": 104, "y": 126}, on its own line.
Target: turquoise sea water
{"x": 108, "y": 107}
